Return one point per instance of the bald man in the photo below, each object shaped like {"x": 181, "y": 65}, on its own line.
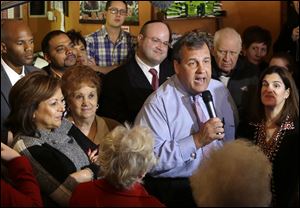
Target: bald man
{"x": 16, "y": 60}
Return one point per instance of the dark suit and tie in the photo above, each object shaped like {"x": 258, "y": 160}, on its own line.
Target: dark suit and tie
{"x": 5, "y": 89}
{"x": 126, "y": 88}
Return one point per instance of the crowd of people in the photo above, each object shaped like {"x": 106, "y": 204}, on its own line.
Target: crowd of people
{"x": 117, "y": 120}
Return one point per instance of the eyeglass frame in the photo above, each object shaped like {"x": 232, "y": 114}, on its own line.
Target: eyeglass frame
{"x": 157, "y": 40}
{"x": 114, "y": 10}
{"x": 225, "y": 52}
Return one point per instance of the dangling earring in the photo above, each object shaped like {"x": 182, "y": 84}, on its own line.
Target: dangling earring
{"x": 97, "y": 106}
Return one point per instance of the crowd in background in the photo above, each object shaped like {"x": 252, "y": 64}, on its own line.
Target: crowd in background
{"x": 117, "y": 120}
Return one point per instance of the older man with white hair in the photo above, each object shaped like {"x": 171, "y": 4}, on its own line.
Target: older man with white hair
{"x": 238, "y": 75}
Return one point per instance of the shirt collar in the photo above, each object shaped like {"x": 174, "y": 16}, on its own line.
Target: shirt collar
{"x": 12, "y": 74}
{"x": 104, "y": 32}
{"x": 145, "y": 68}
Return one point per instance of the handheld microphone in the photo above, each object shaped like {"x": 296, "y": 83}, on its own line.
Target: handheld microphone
{"x": 207, "y": 98}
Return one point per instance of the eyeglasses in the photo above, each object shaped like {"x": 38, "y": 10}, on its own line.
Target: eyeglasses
{"x": 158, "y": 41}
{"x": 224, "y": 53}
{"x": 122, "y": 12}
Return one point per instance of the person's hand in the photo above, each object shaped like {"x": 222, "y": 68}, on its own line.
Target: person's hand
{"x": 211, "y": 130}
{"x": 93, "y": 155}
{"x": 84, "y": 175}
{"x": 91, "y": 62}
{"x": 295, "y": 34}
{"x": 7, "y": 153}
{"x": 10, "y": 138}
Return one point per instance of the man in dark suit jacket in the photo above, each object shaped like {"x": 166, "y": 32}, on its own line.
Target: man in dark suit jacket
{"x": 125, "y": 89}
{"x": 16, "y": 57}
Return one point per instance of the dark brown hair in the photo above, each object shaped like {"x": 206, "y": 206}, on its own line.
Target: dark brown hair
{"x": 191, "y": 40}
{"x": 108, "y": 4}
{"x": 256, "y": 34}
{"x": 76, "y": 37}
{"x": 24, "y": 99}
{"x": 291, "y": 106}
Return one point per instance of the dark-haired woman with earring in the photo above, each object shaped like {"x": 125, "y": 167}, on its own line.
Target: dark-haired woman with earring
{"x": 81, "y": 89}
{"x": 275, "y": 129}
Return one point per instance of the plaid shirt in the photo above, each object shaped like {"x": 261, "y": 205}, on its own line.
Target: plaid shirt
{"x": 105, "y": 52}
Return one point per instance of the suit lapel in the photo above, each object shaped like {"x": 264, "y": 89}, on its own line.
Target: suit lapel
{"x": 137, "y": 76}
{"x": 5, "y": 84}
{"x": 165, "y": 71}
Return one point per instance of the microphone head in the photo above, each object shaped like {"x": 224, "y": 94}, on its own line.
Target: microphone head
{"x": 207, "y": 97}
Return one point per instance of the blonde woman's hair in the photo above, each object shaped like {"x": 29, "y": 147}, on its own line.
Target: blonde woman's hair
{"x": 126, "y": 154}
{"x": 238, "y": 174}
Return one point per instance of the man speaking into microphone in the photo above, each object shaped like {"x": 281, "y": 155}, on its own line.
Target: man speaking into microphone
{"x": 184, "y": 131}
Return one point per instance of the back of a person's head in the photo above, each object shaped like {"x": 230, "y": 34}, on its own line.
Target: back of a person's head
{"x": 126, "y": 154}
{"x": 287, "y": 61}
{"x": 238, "y": 174}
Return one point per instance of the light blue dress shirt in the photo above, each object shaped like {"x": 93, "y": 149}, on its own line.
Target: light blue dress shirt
{"x": 169, "y": 113}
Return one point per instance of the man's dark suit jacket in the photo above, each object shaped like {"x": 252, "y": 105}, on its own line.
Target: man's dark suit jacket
{"x": 126, "y": 88}
{"x": 241, "y": 85}
{"x": 5, "y": 89}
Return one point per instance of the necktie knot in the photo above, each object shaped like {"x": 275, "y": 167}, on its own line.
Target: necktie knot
{"x": 155, "y": 81}
{"x": 153, "y": 71}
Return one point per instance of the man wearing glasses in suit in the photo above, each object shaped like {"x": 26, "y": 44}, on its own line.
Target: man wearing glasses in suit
{"x": 125, "y": 89}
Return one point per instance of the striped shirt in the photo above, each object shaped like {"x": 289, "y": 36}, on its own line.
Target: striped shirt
{"x": 107, "y": 53}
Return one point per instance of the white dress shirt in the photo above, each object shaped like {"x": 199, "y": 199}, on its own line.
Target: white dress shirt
{"x": 145, "y": 68}
{"x": 12, "y": 74}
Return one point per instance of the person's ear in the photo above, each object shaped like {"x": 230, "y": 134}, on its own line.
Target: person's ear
{"x": 140, "y": 37}
{"x": 176, "y": 66}
{"x": 105, "y": 14}
{"x": 287, "y": 93}
{"x": 243, "y": 52}
{"x": 214, "y": 51}
{"x": 3, "y": 48}
{"x": 47, "y": 57}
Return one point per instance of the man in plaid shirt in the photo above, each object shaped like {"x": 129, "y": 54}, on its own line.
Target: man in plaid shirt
{"x": 111, "y": 46}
